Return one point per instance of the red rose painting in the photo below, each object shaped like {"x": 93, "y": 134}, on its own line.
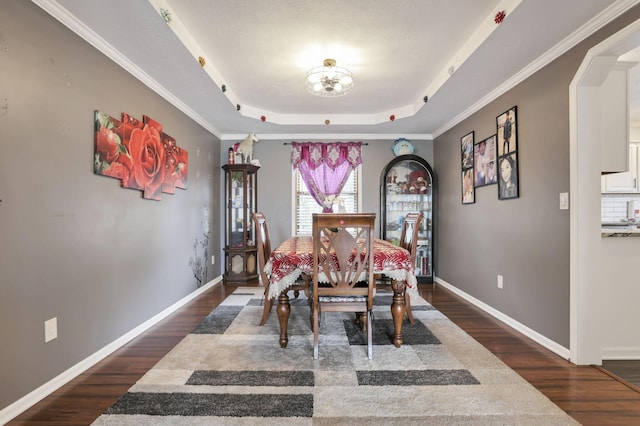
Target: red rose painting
{"x": 139, "y": 154}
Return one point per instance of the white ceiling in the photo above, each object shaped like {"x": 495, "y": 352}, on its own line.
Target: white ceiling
{"x": 399, "y": 52}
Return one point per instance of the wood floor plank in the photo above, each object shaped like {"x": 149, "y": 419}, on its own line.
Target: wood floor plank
{"x": 627, "y": 370}
{"x": 588, "y": 394}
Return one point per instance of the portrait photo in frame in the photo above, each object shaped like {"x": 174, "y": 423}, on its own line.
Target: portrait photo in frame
{"x": 466, "y": 161}
{"x": 484, "y": 162}
{"x": 507, "y": 131}
{"x": 466, "y": 148}
{"x": 508, "y": 176}
{"x": 468, "y": 190}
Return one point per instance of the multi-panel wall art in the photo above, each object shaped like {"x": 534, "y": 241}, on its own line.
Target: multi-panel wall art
{"x": 140, "y": 154}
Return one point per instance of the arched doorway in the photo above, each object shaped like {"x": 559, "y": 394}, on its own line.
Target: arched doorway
{"x": 588, "y": 281}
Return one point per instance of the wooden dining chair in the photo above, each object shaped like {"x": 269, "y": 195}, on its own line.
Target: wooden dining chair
{"x": 264, "y": 253}
{"x": 343, "y": 257}
{"x": 409, "y": 242}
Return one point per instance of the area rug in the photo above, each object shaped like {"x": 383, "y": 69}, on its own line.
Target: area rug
{"x": 231, "y": 371}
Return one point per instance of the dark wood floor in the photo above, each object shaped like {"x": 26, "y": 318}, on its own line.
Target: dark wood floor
{"x": 588, "y": 394}
{"x": 628, "y": 371}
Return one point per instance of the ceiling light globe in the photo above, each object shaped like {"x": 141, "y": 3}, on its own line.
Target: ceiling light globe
{"x": 346, "y": 80}
{"x": 313, "y": 77}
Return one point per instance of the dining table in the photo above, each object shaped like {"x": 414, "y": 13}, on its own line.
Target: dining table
{"x": 293, "y": 258}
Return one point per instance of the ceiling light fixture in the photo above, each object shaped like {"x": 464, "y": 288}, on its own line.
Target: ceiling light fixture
{"x": 329, "y": 80}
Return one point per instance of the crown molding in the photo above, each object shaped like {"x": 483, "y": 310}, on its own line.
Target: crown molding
{"x": 61, "y": 14}
{"x": 610, "y": 13}
{"x": 334, "y": 136}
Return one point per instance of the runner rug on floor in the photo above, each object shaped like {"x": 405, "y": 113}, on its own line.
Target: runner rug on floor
{"x": 232, "y": 371}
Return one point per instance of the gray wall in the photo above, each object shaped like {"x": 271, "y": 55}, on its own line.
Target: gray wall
{"x": 74, "y": 245}
{"x": 526, "y": 240}
{"x": 275, "y": 178}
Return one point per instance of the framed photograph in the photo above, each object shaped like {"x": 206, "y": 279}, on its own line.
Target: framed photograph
{"x": 508, "y": 176}
{"x": 466, "y": 148}
{"x": 484, "y": 162}
{"x": 507, "y": 131}
{"x": 468, "y": 190}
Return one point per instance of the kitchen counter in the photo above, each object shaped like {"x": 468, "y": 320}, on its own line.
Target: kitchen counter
{"x": 620, "y": 231}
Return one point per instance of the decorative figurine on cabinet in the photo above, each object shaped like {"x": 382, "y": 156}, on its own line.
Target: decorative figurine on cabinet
{"x": 402, "y": 146}
{"x": 418, "y": 182}
{"x": 246, "y": 147}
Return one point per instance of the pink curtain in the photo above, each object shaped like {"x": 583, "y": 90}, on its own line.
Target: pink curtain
{"x": 325, "y": 167}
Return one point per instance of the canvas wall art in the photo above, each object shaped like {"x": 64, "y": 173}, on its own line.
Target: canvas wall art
{"x": 140, "y": 154}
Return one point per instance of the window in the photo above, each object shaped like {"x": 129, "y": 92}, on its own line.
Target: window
{"x": 305, "y": 205}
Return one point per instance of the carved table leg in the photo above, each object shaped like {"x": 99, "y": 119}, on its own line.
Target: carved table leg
{"x": 397, "y": 310}
{"x": 364, "y": 323}
{"x": 361, "y": 321}
{"x": 283, "y": 311}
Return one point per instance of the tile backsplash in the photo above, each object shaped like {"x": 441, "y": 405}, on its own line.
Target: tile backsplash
{"x": 614, "y": 206}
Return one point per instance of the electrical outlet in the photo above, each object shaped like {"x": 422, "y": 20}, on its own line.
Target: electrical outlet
{"x": 213, "y": 259}
{"x": 50, "y": 329}
{"x": 500, "y": 283}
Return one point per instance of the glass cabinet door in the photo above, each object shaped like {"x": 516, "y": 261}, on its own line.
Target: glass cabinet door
{"x": 240, "y": 201}
{"x": 251, "y": 207}
{"x": 237, "y": 208}
{"x": 407, "y": 185}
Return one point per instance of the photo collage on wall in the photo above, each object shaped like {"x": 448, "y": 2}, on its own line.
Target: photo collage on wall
{"x": 468, "y": 187}
{"x": 493, "y": 160}
{"x": 506, "y": 125}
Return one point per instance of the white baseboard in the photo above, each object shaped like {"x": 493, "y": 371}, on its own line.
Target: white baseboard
{"x": 27, "y": 401}
{"x": 532, "y": 334}
{"x": 621, "y": 354}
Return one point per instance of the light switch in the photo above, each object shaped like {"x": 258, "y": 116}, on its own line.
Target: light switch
{"x": 564, "y": 201}
{"x": 50, "y": 329}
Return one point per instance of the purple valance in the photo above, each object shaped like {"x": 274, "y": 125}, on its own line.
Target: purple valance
{"x": 325, "y": 168}
{"x": 332, "y": 154}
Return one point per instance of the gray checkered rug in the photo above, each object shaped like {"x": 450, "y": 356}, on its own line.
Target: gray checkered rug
{"x": 231, "y": 371}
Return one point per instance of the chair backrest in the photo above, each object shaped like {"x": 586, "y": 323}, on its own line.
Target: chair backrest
{"x": 263, "y": 243}
{"x": 409, "y": 234}
{"x": 343, "y": 252}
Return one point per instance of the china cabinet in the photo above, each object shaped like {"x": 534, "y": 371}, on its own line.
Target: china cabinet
{"x": 241, "y": 198}
{"x": 407, "y": 185}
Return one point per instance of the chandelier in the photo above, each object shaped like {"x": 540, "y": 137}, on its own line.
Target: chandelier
{"x": 329, "y": 80}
